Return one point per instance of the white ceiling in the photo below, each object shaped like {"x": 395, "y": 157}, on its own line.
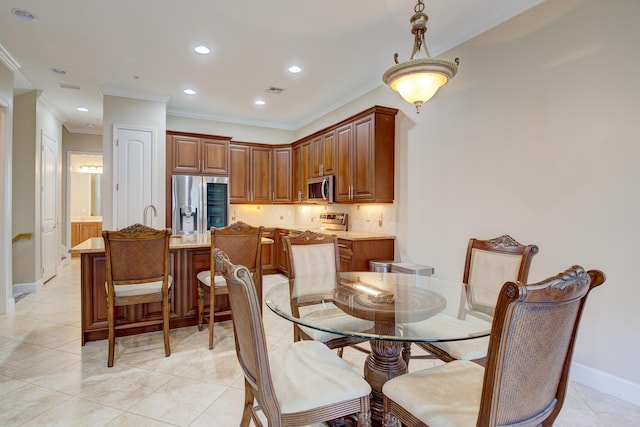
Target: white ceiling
{"x": 144, "y": 49}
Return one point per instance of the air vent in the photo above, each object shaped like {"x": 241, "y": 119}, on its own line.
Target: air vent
{"x": 68, "y": 86}
{"x": 276, "y": 90}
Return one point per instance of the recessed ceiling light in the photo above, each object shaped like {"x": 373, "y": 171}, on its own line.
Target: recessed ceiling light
{"x": 190, "y": 91}
{"x": 202, "y": 50}
{"x": 24, "y": 14}
{"x": 90, "y": 125}
{"x": 294, "y": 69}
{"x": 82, "y": 109}
{"x": 260, "y": 102}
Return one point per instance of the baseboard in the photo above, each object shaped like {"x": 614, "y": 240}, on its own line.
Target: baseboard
{"x": 24, "y": 288}
{"x": 606, "y": 383}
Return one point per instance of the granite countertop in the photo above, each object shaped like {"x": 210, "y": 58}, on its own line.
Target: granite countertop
{"x": 188, "y": 241}
{"x": 185, "y": 241}
{"x": 346, "y": 235}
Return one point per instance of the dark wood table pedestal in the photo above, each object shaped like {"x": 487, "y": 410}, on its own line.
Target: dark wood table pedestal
{"x": 383, "y": 363}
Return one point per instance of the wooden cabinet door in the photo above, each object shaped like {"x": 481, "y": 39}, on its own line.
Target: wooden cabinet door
{"x": 262, "y": 182}
{"x": 282, "y": 174}
{"x": 268, "y": 252}
{"x": 215, "y": 157}
{"x": 344, "y": 160}
{"x": 363, "y": 175}
{"x": 281, "y": 255}
{"x": 345, "y": 252}
{"x": 239, "y": 173}
{"x": 301, "y": 171}
{"x": 186, "y": 154}
{"x": 323, "y": 154}
{"x": 75, "y": 234}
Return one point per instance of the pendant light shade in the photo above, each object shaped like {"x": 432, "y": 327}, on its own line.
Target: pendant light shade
{"x": 418, "y": 79}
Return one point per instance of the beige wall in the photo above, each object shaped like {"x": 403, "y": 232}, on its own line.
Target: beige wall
{"x": 263, "y": 135}
{"x": 537, "y": 137}
{"x": 120, "y": 111}
{"x": 24, "y": 184}
{"x": 7, "y": 303}
{"x": 31, "y": 120}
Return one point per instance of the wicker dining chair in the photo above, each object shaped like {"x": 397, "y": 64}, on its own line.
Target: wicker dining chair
{"x": 488, "y": 265}
{"x": 298, "y": 384}
{"x": 310, "y": 255}
{"x": 525, "y": 378}
{"x": 243, "y": 243}
{"x": 137, "y": 272}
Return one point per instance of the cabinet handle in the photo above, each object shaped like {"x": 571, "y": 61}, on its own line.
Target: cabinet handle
{"x": 341, "y": 245}
{"x": 273, "y": 196}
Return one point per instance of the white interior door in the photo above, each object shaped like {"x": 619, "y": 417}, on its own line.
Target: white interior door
{"x": 48, "y": 216}
{"x": 134, "y": 171}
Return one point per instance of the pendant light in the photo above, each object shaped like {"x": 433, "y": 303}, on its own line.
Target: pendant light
{"x": 418, "y": 79}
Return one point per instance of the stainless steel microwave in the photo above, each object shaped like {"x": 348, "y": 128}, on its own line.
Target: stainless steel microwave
{"x": 320, "y": 189}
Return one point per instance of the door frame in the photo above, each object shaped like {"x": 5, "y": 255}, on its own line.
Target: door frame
{"x": 68, "y": 194}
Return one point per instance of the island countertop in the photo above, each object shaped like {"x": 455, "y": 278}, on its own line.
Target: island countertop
{"x": 186, "y": 241}
{"x": 183, "y": 241}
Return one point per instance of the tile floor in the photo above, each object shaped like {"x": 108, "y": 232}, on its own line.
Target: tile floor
{"x": 48, "y": 379}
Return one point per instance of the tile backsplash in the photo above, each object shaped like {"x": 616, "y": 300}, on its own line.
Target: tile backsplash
{"x": 366, "y": 217}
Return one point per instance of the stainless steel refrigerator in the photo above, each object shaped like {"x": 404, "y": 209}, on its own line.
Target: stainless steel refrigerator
{"x": 199, "y": 203}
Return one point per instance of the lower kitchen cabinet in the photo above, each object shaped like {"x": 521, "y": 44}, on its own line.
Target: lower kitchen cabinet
{"x": 269, "y": 252}
{"x": 356, "y": 254}
{"x": 281, "y": 255}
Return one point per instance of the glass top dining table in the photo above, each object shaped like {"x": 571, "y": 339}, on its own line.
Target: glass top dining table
{"x": 391, "y": 310}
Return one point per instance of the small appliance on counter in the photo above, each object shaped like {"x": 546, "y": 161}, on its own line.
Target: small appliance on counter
{"x": 199, "y": 203}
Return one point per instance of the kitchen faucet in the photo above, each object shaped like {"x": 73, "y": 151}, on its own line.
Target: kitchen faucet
{"x": 146, "y": 208}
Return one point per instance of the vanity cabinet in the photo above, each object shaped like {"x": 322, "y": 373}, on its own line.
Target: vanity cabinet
{"x": 365, "y": 147}
{"x": 250, "y": 173}
{"x": 83, "y": 230}
{"x": 198, "y": 154}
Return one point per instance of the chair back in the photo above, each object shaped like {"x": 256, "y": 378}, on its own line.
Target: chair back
{"x": 242, "y": 243}
{"x": 310, "y": 253}
{"x": 135, "y": 255}
{"x": 251, "y": 345}
{"x": 531, "y": 346}
{"x": 491, "y": 263}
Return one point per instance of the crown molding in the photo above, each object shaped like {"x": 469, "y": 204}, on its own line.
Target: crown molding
{"x": 127, "y": 93}
{"x": 8, "y": 60}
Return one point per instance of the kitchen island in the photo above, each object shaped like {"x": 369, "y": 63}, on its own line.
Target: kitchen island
{"x": 189, "y": 255}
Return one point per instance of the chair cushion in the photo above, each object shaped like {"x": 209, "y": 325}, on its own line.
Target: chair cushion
{"x": 447, "y": 395}
{"x": 307, "y": 375}
{"x": 139, "y": 289}
{"x": 205, "y": 278}
{"x": 464, "y": 349}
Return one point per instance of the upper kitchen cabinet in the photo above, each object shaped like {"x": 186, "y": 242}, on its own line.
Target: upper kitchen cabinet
{"x": 282, "y": 176}
{"x": 250, "y": 173}
{"x": 365, "y": 145}
{"x": 195, "y": 154}
{"x": 301, "y": 170}
{"x": 323, "y": 154}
